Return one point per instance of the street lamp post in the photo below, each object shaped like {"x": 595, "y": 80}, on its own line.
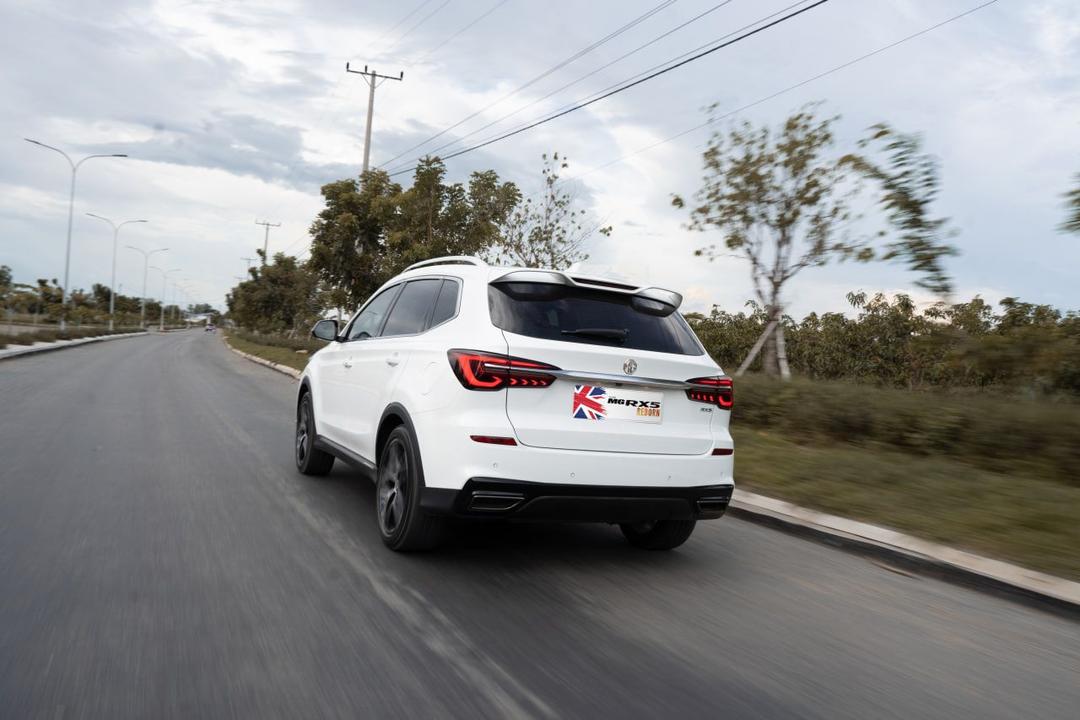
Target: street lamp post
{"x": 112, "y": 283}
{"x": 164, "y": 283}
{"x": 146, "y": 270}
{"x": 71, "y": 218}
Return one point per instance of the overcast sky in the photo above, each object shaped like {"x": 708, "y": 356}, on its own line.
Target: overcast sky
{"x": 237, "y": 111}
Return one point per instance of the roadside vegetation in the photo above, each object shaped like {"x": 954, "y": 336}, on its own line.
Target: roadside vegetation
{"x": 41, "y": 304}
{"x": 46, "y": 336}
{"x": 1017, "y": 517}
{"x": 292, "y": 352}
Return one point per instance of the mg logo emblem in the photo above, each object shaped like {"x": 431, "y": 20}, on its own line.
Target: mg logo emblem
{"x": 629, "y": 366}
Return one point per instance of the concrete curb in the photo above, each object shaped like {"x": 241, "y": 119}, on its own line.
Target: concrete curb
{"x": 909, "y": 552}
{"x": 922, "y": 556}
{"x": 11, "y": 352}
{"x": 284, "y": 369}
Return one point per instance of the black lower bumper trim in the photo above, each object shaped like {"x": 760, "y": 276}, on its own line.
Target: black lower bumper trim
{"x": 518, "y": 499}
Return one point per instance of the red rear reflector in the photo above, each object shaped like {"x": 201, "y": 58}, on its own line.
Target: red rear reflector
{"x": 723, "y": 451}
{"x": 494, "y": 439}
{"x": 477, "y": 370}
{"x": 719, "y": 391}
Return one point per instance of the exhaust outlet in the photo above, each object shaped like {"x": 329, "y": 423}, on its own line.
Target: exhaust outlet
{"x": 712, "y": 505}
{"x": 490, "y": 501}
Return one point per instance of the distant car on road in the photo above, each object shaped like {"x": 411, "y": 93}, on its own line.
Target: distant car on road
{"x": 475, "y": 391}
{"x": 210, "y": 327}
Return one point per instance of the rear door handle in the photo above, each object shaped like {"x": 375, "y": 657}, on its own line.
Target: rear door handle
{"x": 347, "y": 363}
{"x": 392, "y": 360}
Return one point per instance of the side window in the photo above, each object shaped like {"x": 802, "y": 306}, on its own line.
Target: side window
{"x": 446, "y": 305}
{"x": 367, "y": 323}
{"x": 410, "y": 313}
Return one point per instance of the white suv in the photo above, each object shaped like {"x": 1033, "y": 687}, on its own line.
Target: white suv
{"x": 474, "y": 391}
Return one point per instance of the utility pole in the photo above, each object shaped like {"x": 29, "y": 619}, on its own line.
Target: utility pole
{"x": 164, "y": 287}
{"x": 146, "y": 271}
{"x": 112, "y": 284}
{"x": 372, "y": 78}
{"x": 266, "y": 237}
{"x": 64, "y": 293}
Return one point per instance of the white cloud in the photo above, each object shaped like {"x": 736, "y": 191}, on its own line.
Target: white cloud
{"x": 244, "y": 108}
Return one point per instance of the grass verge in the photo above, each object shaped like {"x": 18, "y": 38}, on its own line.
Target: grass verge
{"x": 280, "y": 355}
{"x": 1028, "y": 521}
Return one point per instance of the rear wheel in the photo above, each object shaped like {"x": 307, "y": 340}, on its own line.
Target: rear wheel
{"x": 309, "y": 459}
{"x": 403, "y": 525}
{"x": 658, "y": 534}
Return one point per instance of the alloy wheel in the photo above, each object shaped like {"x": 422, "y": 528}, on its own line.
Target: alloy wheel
{"x": 393, "y": 487}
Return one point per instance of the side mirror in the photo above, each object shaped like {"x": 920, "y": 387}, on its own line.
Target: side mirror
{"x": 325, "y": 330}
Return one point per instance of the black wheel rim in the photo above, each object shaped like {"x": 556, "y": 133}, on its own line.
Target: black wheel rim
{"x": 392, "y": 488}
{"x": 303, "y": 434}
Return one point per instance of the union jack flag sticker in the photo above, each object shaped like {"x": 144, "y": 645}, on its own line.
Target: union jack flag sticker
{"x": 589, "y": 402}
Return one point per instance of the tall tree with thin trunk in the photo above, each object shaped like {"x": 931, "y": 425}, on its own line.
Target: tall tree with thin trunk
{"x": 782, "y": 200}
{"x": 552, "y": 231}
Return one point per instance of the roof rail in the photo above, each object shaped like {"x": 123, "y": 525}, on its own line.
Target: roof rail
{"x": 448, "y": 260}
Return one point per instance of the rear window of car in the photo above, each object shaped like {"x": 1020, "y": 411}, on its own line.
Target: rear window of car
{"x": 583, "y": 315}
{"x": 446, "y": 305}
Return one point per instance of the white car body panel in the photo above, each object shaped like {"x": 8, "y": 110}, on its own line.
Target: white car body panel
{"x": 350, "y": 402}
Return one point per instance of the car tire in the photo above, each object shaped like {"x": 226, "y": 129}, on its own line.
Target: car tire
{"x": 309, "y": 459}
{"x": 658, "y": 535}
{"x": 403, "y": 525}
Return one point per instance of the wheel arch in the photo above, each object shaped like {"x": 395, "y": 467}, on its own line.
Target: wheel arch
{"x": 395, "y": 415}
{"x": 305, "y": 388}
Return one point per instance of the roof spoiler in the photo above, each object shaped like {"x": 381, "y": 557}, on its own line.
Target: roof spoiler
{"x": 649, "y": 299}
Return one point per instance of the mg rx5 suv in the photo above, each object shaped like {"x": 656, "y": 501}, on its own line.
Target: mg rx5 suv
{"x": 490, "y": 392}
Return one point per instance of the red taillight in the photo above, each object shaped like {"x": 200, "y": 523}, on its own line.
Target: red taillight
{"x": 719, "y": 391}
{"x": 489, "y": 371}
{"x": 493, "y": 439}
{"x": 723, "y": 451}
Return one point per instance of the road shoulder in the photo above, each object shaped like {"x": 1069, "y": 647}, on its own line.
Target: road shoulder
{"x": 911, "y": 553}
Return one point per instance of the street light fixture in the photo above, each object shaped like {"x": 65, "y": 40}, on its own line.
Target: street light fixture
{"x": 71, "y": 217}
{"x": 146, "y": 269}
{"x": 164, "y": 282}
{"x": 112, "y": 285}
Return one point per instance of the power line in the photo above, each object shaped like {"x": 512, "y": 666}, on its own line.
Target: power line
{"x": 490, "y": 10}
{"x": 417, "y": 24}
{"x": 627, "y": 86}
{"x": 603, "y": 67}
{"x": 398, "y": 24}
{"x": 558, "y": 66}
{"x": 789, "y": 88}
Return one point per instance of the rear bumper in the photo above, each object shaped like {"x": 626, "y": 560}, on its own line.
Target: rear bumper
{"x": 559, "y": 502}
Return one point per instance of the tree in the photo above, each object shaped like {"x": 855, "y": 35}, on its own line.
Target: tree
{"x": 276, "y": 298}
{"x": 782, "y": 201}
{"x": 369, "y": 231}
{"x": 550, "y": 233}
{"x": 1072, "y": 205}
{"x": 5, "y": 282}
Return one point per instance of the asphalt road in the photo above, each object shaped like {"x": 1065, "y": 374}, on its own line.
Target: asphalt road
{"x": 161, "y": 557}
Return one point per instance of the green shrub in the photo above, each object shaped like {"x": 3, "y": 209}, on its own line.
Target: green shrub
{"x": 996, "y": 433}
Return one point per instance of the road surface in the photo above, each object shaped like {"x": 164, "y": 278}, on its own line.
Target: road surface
{"x": 161, "y": 557}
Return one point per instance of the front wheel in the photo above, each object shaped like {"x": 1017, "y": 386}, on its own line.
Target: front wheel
{"x": 309, "y": 459}
{"x": 403, "y": 525}
{"x": 658, "y": 534}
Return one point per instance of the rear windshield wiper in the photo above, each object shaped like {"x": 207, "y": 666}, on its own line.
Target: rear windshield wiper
{"x": 616, "y": 334}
